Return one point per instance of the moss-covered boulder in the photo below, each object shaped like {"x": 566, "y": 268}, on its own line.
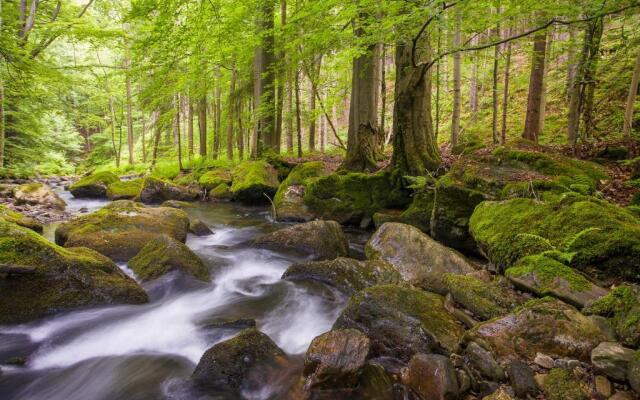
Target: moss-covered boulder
{"x": 545, "y": 276}
{"x": 124, "y": 190}
{"x": 37, "y": 193}
{"x": 254, "y": 182}
{"x": 93, "y": 186}
{"x": 561, "y": 384}
{"x": 289, "y": 199}
{"x": 212, "y": 179}
{"x": 545, "y": 325}
{"x": 165, "y": 254}
{"x": 17, "y": 218}
{"x": 221, "y": 192}
{"x": 39, "y": 278}
{"x": 180, "y": 205}
{"x": 187, "y": 179}
{"x": 345, "y": 274}
{"x": 414, "y": 254}
{"x": 622, "y": 306}
{"x": 319, "y": 239}
{"x": 121, "y": 229}
{"x": 595, "y": 235}
{"x": 401, "y": 321}
{"x": 351, "y": 198}
{"x": 240, "y": 363}
{"x": 155, "y": 191}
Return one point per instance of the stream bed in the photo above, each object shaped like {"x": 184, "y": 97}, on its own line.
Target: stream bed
{"x": 146, "y": 351}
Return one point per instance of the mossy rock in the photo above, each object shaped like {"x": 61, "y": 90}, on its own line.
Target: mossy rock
{"x": 614, "y": 152}
{"x": 124, "y": 190}
{"x": 401, "y": 321}
{"x": 634, "y": 165}
{"x": 121, "y": 229}
{"x": 17, "y": 218}
{"x": 163, "y": 255}
{"x": 345, "y": 274}
{"x": 93, "y": 186}
{"x": 212, "y": 179}
{"x": 180, "y": 205}
{"x": 221, "y": 192}
{"x": 189, "y": 179}
{"x": 155, "y": 191}
{"x": 622, "y": 306}
{"x": 545, "y": 276}
{"x": 417, "y": 214}
{"x": 561, "y": 384}
{"x": 39, "y": 278}
{"x": 254, "y": 182}
{"x": 37, "y": 193}
{"x": 289, "y": 199}
{"x": 598, "y": 236}
{"x": 350, "y": 198}
{"x": 545, "y": 325}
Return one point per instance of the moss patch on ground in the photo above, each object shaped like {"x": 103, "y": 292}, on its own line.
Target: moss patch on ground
{"x": 254, "y": 182}
{"x": 560, "y": 384}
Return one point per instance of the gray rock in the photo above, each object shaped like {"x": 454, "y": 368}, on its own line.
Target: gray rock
{"x": 612, "y": 359}
{"x": 199, "y": 228}
{"x": 522, "y": 379}
{"x": 544, "y": 361}
{"x": 484, "y": 362}
{"x": 431, "y": 376}
{"x": 633, "y": 372}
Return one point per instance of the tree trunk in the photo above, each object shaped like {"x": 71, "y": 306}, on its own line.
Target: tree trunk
{"x": 264, "y": 90}
{"x": 455, "y": 118}
{"x": 543, "y": 98}
{"x": 290, "y": 116}
{"x": 494, "y": 91}
{"x": 217, "y": 135}
{"x": 473, "y": 81}
{"x": 190, "y": 127}
{"x": 129, "y": 112}
{"x": 631, "y": 99}
{"x": 177, "y": 132}
{"x": 437, "y": 102}
{"x": 323, "y": 132}
{"x": 156, "y": 139}
{"x": 113, "y": 132}
{"x": 298, "y": 122}
{"x": 590, "y": 76}
{"x": 282, "y": 75}
{"x": 230, "y": 116}
{"x": 571, "y": 63}
{"x": 505, "y": 95}
{"x": 143, "y": 139}
{"x": 240, "y": 134}
{"x": 536, "y": 79}
{"x": 383, "y": 100}
{"x": 2, "y": 122}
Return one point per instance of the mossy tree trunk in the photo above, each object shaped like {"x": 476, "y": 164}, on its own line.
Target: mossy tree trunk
{"x": 264, "y": 82}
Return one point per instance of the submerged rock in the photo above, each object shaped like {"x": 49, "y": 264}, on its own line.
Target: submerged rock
{"x": 320, "y": 239}
{"x": 238, "y": 363}
{"x": 124, "y": 190}
{"x": 155, "y": 191}
{"x": 401, "y": 321}
{"x": 199, "y": 228}
{"x": 165, "y": 254}
{"x": 289, "y": 199}
{"x": 44, "y": 278}
{"x": 414, "y": 254}
{"x": 254, "y": 182}
{"x": 38, "y": 193}
{"x": 93, "y": 186}
{"x": 121, "y": 229}
{"x": 345, "y": 274}
{"x": 17, "y": 218}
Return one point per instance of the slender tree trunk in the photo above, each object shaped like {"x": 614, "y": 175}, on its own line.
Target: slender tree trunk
{"x": 494, "y": 87}
{"x": 631, "y": 99}
{"x": 282, "y": 75}
{"x": 190, "y": 126}
{"x": 438, "y": 73}
{"x": 230, "y": 116}
{"x": 323, "y": 132}
{"x": 571, "y": 63}
{"x": 202, "y": 124}
{"x": 129, "y": 112}
{"x": 543, "y": 97}
{"x": 240, "y": 135}
{"x": 264, "y": 90}
{"x": 2, "y": 121}
{"x": 505, "y": 95}
{"x": 177, "y": 132}
{"x": 473, "y": 81}
{"x": 298, "y": 122}
{"x": 113, "y": 132}
{"x": 144, "y": 139}
{"x": 383, "y": 100}
{"x": 156, "y": 139}
{"x": 217, "y": 121}
{"x": 455, "y": 118}
{"x": 590, "y": 76}
{"x": 536, "y": 79}
{"x": 290, "y": 115}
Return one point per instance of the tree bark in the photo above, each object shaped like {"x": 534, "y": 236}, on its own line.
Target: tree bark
{"x": 156, "y": 139}
{"x": 264, "y": 90}
{"x": 113, "y": 132}
{"x": 177, "y": 131}
{"x": 230, "y": 116}
{"x": 543, "y": 98}
{"x": 473, "y": 81}
{"x": 2, "y": 122}
{"x": 298, "y": 122}
{"x": 383, "y": 100}
{"x": 505, "y": 94}
{"x": 202, "y": 124}
{"x": 590, "y": 76}
{"x": 536, "y": 83}
{"x": 631, "y": 99}
{"x": 129, "y": 112}
{"x": 240, "y": 134}
{"x": 144, "y": 139}
{"x": 457, "y": 57}
{"x": 282, "y": 75}
{"x": 190, "y": 126}
{"x": 217, "y": 135}
{"x": 437, "y": 102}
{"x": 494, "y": 87}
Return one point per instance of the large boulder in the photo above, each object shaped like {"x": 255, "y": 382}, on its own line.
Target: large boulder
{"x": 432, "y": 376}
{"x": 545, "y": 325}
{"x": 289, "y": 199}
{"x": 413, "y": 253}
{"x": 93, "y": 186}
{"x": 240, "y": 363}
{"x": 155, "y": 191}
{"x": 165, "y": 254}
{"x": 254, "y": 182}
{"x": 121, "y": 229}
{"x": 39, "y": 278}
{"x": 401, "y": 321}
{"x": 345, "y": 274}
{"x": 212, "y": 179}
{"x": 594, "y": 235}
{"x": 17, "y": 218}
{"x": 38, "y": 194}
{"x": 622, "y": 306}
{"x": 612, "y": 359}
{"x": 124, "y": 190}
{"x": 320, "y": 239}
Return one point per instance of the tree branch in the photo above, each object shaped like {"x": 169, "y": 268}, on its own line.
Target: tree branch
{"x": 416, "y": 39}
{"x": 30, "y": 21}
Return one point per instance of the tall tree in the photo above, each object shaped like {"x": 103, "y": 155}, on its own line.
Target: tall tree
{"x": 264, "y": 88}
{"x": 631, "y": 98}
{"x": 202, "y": 124}
{"x": 130, "y": 141}
{"x": 457, "y": 67}
{"x": 536, "y": 84}
{"x": 231, "y": 104}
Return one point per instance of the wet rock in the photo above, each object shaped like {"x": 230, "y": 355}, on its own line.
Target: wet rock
{"x": 503, "y": 393}
{"x": 46, "y": 279}
{"x": 432, "y": 376}
{"x": 254, "y": 182}
{"x": 180, "y": 205}
{"x": 413, "y": 253}
{"x": 165, "y": 254}
{"x": 121, "y": 229}
{"x": 155, "y": 191}
{"x": 622, "y": 306}
{"x": 544, "y": 361}
{"x": 38, "y": 194}
{"x": 321, "y": 239}
{"x": 346, "y": 274}
{"x": 612, "y": 359}
{"x": 560, "y": 384}
{"x": 199, "y": 228}
{"x": 212, "y": 179}
{"x": 522, "y": 379}
{"x": 124, "y": 190}
{"x": 483, "y": 362}
{"x": 633, "y": 372}
{"x": 401, "y": 321}
{"x": 221, "y": 192}
{"x": 289, "y": 199}
{"x": 93, "y": 186}
{"x": 336, "y": 359}
{"x": 603, "y": 386}
{"x": 238, "y": 363}
{"x": 544, "y": 325}
{"x": 17, "y": 218}
{"x": 546, "y": 276}
{"x": 242, "y": 323}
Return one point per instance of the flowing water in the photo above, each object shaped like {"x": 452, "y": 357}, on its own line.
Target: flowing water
{"x": 147, "y": 351}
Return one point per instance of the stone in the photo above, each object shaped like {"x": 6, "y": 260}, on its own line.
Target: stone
{"x": 199, "y": 228}
{"x": 622, "y": 395}
{"x": 38, "y": 194}
{"x": 45, "y": 279}
{"x": 124, "y": 190}
{"x": 17, "y": 218}
{"x": 544, "y": 361}
{"x": 622, "y": 308}
{"x": 336, "y": 359}
{"x": 522, "y": 379}
{"x": 603, "y": 386}
{"x": 221, "y": 192}
{"x": 612, "y": 360}
{"x": 93, "y": 186}
{"x": 560, "y": 384}
{"x": 212, "y": 179}
{"x": 345, "y": 274}
{"x": 432, "y": 376}
{"x": 289, "y": 199}
{"x": 503, "y": 393}
{"x": 155, "y": 191}
{"x": 165, "y": 254}
{"x": 320, "y": 239}
{"x": 122, "y": 228}
{"x": 180, "y": 205}
{"x": 483, "y": 362}
{"x": 401, "y": 321}
{"x": 254, "y": 182}
{"x": 633, "y": 372}
{"x": 413, "y": 253}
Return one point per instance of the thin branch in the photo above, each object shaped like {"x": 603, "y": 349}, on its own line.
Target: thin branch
{"x": 424, "y": 27}
{"x": 31, "y": 20}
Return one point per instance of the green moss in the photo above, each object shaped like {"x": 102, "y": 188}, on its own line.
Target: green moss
{"x": 212, "y": 179}
{"x": 99, "y": 178}
{"x": 186, "y": 179}
{"x": 299, "y": 175}
{"x": 420, "y": 210}
{"x": 222, "y": 191}
{"x": 621, "y": 304}
{"x": 485, "y": 300}
{"x": 547, "y": 270}
{"x": 122, "y": 190}
{"x": 15, "y": 217}
{"x": 560, "y": 384}
{"x": 253, "y": 181}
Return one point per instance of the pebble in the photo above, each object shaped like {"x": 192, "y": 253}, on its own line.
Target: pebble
{"x": 603, "y": 385}
{"x": 543, "y": 360}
